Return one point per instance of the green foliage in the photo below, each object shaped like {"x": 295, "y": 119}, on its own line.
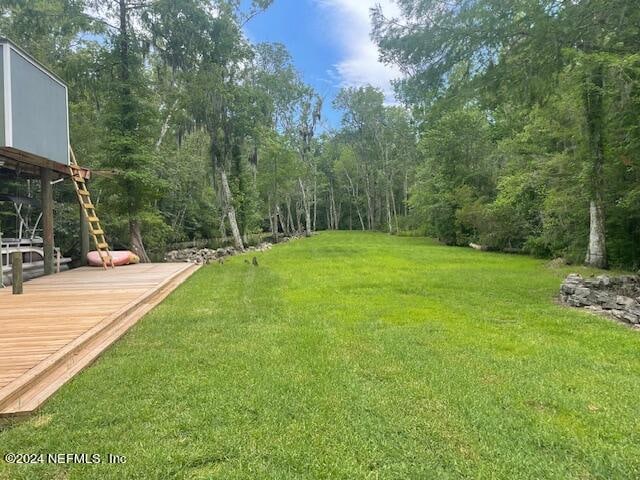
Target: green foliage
{"x": 558, "y": 83}
{"x": 457, "y": 173}
{"x": 188, "y": 201}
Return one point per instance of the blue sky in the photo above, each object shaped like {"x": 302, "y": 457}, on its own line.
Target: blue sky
{"x": 329, "y": 42}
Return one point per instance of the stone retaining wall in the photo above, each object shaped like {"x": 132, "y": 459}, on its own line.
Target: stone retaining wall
{"x": 617, "y": 296}
{"x": 207, "y": 255}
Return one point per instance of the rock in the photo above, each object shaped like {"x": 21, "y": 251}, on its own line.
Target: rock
{"x": 573, "y": 278}
{"x": 582, "y": 292}
{"x": 619, "y": 314}
{"x": 625, "y": 301}
{"x": 629, "y": 317}
{"x": 617, "y": 296}
{"x": 578, "y": 301}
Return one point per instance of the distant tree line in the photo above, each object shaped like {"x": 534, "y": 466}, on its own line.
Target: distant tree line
{"x": 516, "y": 127}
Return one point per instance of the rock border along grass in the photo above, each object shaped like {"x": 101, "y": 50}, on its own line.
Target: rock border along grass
{"x": 617, "y": 296}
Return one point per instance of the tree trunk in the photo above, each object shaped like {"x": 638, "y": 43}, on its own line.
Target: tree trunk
{"x": 137, "y": 245}
{"x": 231, "y": 212}
{"x": 332, "y": 209}
{"x": 336, "y": 211}
{"x": 395, "y": 210}
{"x": 307, "y": 209}
{"x": 354, "y": 193}
{"x": 370, "y": 219}
{"x": 596, "y": 253}
{"x": 275, "y": 201}
{"x": 594, "y": 109}
{"x": 315, "y": 202}
{"x": 165, "y": 125}
{"x": 223, "y": 228}
{"x": 273, "y": 220}
{"x": 388, "y": 209}
{"x": 298, "y": 215}
{"x": 405, "y": 200}
{"x": 282, "y": 224}
{"x": 290, "y": 226}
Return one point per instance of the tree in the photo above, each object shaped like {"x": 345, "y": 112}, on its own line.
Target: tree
{"x": 513, "y": 49}
{"x": 128, "y": 121}
{"x": 384, "y": 141}
{"x": 302, "y": 131}
{"x": 457, "y": 173}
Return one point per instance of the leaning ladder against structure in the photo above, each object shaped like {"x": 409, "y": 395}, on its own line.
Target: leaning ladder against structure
{"x": 84, "y": 197}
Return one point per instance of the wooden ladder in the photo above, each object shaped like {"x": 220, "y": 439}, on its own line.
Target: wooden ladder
{"x": 84, "y": 197}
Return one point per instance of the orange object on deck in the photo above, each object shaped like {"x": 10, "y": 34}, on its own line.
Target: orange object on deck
{"x": 120, "y": 257}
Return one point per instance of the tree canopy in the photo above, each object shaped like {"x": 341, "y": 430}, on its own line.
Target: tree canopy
{"x": 515, "y": 127}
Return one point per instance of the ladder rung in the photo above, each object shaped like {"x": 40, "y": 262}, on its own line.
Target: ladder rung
{"x": 84, "y": 198}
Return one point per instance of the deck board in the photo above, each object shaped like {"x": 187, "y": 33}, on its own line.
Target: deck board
{"x": 56, "y": 310}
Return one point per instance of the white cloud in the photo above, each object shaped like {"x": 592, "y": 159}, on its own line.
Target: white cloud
{"x": 350, "y": 25}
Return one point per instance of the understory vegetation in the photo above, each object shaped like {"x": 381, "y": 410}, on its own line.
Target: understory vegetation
{"x": 354, "y": 355}
{"x": 515, "y": 126}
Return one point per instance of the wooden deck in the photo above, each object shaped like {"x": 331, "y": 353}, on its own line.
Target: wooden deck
{"x": 63, "y": 322}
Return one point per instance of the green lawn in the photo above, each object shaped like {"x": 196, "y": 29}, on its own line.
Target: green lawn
{"x": 352, "y": 355}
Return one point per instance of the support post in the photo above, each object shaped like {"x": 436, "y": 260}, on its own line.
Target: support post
{"x": 2, "y": 274}
{"x": 47, "y": 219}
{"x": 16, "y": 272}
{"x": 84, "y": 237}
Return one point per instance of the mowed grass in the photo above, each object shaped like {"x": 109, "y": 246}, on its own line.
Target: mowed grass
{"x": 353, "y": 355}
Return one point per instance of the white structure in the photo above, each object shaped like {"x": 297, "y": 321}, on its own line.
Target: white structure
{"x": 34, "y": 114}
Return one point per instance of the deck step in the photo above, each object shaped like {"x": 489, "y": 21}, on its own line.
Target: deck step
{"x": 28, "y": 392}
